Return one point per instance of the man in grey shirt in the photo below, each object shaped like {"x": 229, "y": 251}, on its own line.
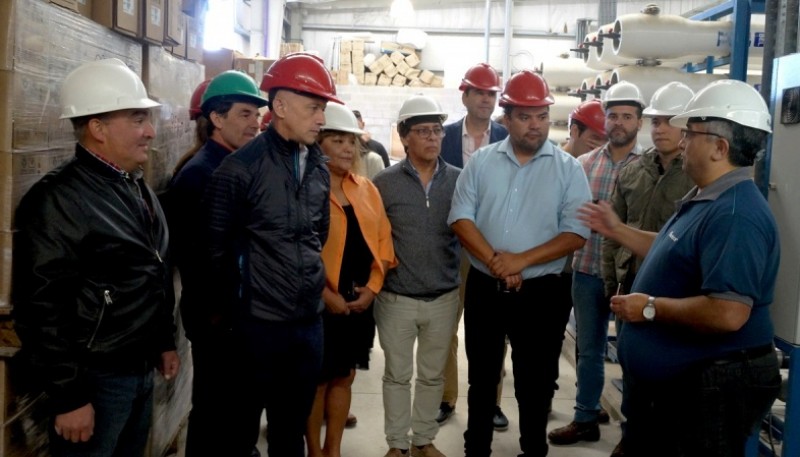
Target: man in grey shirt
{"x": 419, "y": 300}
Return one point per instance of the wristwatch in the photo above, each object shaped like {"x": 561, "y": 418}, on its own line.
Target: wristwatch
{"x": 649, "y": 310}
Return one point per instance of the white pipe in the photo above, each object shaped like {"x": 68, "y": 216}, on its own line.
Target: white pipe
{"x": 563, "y": 106}
{"x": 657, "y": 36}
{"x": 649, "y": 79}
{"x": 569, "y": 72}
{"x": 487, "y": 32}
{"x": 602, "y": 80}
{"x": 591, "y": 58}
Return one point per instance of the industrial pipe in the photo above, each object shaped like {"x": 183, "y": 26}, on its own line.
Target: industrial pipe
{"x": 649, "y": 79}
{"x": 657, "y": 36}
{"x": 563, "y": 106}
{"x": 568, "y": 72}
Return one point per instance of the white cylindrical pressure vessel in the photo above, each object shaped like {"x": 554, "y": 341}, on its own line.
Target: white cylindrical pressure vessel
{"x": 569, "y": 72}
{"x": 563, "y": 106}
{"x": 649, "y": 79}
{"x": 591, "y": 58}
{"x": 657, "y": 36}
{"x": 559, "y": 134}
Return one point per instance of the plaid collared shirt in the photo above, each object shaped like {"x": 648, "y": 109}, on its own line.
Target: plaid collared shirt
{"x": 602, "y": 174}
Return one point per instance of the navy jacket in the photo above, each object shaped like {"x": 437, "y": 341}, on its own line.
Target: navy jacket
{"x": 451, "y": 145}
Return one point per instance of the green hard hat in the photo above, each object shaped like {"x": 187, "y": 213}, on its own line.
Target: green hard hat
{"x": 233, "y": 86}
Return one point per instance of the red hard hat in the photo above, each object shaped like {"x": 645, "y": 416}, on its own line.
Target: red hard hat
{"x": 481, "y": 76}
{"x": 197, "y": 100}
{"x": 591, "y": 114}
{"x": 526, "y": 88}
{"x": 301, "y": 72}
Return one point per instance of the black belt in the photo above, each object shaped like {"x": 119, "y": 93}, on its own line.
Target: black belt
{"x": 744, "y": 354}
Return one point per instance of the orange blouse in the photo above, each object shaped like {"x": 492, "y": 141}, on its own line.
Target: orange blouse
{"x": 375, "y": 228}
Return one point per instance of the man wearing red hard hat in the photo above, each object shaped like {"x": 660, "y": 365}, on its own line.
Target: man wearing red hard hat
{"x": 269, "y": 214}
{"x": 587, "y": 128}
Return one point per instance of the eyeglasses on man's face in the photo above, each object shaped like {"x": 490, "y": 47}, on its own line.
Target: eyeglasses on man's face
{"x": 426, "y": 132}
{"x": 687, "y": 135}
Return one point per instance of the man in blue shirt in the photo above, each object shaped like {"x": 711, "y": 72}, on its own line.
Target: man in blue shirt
{"x": 698, "y": 336}
{"x": 515, "y": 211}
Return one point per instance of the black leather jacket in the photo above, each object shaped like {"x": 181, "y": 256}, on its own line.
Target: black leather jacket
{"x": 267, "y": 229}
{"x": 91, "y": 287}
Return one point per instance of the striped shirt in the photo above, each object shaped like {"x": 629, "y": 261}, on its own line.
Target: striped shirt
{"x": 602, "y": 174}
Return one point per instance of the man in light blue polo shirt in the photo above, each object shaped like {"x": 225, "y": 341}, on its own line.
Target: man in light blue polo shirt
{"x": 515, "y": 211}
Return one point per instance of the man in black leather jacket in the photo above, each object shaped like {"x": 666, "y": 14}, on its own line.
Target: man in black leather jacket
{"x": 269, "y": 214}
{"x": 93, "y": 301}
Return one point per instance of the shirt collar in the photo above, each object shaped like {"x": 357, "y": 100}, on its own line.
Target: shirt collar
{"x": 723, "y": 183}
{"x": 136, "y": 174}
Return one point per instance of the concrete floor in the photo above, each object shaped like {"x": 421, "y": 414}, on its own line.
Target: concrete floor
{"x": 368, "y": 440}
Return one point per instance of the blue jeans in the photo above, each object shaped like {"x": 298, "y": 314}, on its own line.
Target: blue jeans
{"x": 278, "y": 365}
{"x": 591, "y": 318}
{"x": 709, "y": 410}
{"x": 123, "y": 408}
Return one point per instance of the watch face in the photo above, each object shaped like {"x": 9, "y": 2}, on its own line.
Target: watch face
{"x": 649, "y": 312}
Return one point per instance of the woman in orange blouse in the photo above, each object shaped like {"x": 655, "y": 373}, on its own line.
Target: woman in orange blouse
{"x": 356, "y": 256}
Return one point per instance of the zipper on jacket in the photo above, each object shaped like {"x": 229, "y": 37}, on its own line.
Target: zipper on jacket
{"x": 106, "y": 302}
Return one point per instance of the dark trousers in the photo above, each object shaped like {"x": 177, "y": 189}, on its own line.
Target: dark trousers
{"x": 214, "y": 417}
{"x": 709, "y": 411}
{"x": 534, "y": 320}
{"x": 123, "y": 408}
{"x": 278, "y": 371}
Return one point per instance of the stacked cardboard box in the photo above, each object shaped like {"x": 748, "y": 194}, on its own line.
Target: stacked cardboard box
{"x": 288, "y": 48}
{"x": 397, "y": 66}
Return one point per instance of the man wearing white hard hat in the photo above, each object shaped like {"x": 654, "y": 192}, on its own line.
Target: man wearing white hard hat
{"x": 93, "y": 299}
{"x": 698, "y": 335}
{"x": 623, "y": 105}
{"x": 419, "y": 300}
{"x": 646, "y": 191}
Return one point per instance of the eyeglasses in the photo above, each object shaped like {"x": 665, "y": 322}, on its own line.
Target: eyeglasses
{"x": 426, "y": 133}
{"x": 689, "y": 134}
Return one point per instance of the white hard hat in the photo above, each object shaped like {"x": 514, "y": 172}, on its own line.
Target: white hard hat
{"x": 623, "y": 91}
{"x": 340, "y": 118}
{"x": 728, "y": 99}
{"x": 420, "y": 105}
{"x": 669, "y": 100}
{"x": 102, "y": 86}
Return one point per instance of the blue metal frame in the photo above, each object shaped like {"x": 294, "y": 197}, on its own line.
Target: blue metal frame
{"x": 741, "y": 11}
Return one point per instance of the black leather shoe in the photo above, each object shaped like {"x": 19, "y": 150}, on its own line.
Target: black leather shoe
{"x": 574, "y": 432}
{"x": 500, "y": 420}
{"x": 603, "y": 417}
{"x": 445, "y": 412}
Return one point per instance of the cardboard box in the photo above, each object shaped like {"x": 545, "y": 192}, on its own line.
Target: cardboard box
{"x": 403, "y": 68}
{"x": 399, "y": 80}
{"x": 397, "y": 57}
{"x": 426, "y": 76}
{"x": 384, "y": 80}
{"x": 179, "y": 50}
{"x": 120, "y": 15}
{"x": 413, "y": 73}
{"x": 153, "y": 17}
{"x": 174, "y": 35}
{"x": 358, "y": 46}
{"x": 342, "y": 77}
{"x": 69, "y": 4}
{"x": 437, "y": 81}
{"x": 288, "y": 48}
{"x": 7, "y": 30}
{"x": 219, "y": 60}
{"x": 85, "y": 8}
{"x": 346, "y": 46}
{"x": 256, "y": 67}
{"x": 412, "y": 60}
{"x": 390, "y": 70}
{"x": 194, "y": 39}
{"x": 370, "y": 78}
